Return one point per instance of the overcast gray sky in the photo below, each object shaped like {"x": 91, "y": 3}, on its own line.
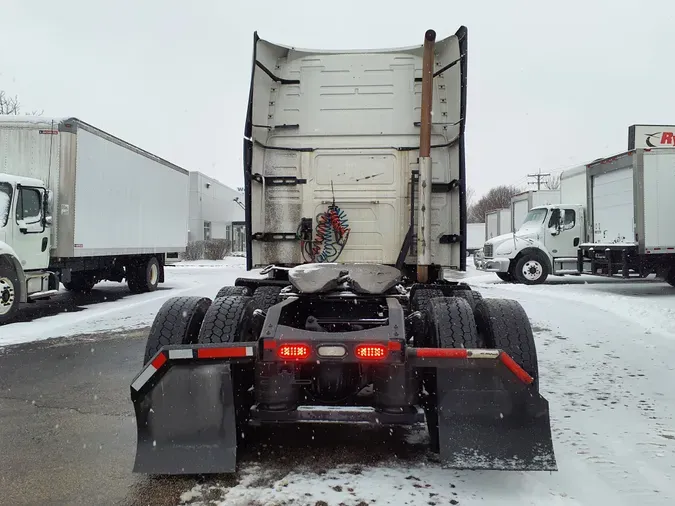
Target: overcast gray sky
{"x": 550, "y": 85}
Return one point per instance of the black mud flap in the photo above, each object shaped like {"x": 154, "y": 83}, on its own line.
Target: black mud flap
{"x": 186, "y": 421}
{"x": 488, "y": 419}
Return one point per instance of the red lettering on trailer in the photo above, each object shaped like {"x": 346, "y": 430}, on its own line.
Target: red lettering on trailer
{"x": 667, "y": 138}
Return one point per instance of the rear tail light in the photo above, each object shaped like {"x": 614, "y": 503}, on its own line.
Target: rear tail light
{"x": 371, "y": 352}
{"x": 293, "y": 351}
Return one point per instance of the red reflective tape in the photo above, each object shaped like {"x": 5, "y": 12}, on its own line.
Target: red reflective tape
{"x": 520, "y": 373}
{"x": 159, "y": 361}
{"x": 394, "y": 346}
{"x": 441, "y": 353}
{"x": 269, "y": 344}
{"x": 221, "y": 352}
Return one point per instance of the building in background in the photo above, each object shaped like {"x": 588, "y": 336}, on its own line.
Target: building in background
{"x": 216, "y": 212}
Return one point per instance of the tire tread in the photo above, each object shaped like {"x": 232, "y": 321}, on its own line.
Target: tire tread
{"x": 171, "y": 324}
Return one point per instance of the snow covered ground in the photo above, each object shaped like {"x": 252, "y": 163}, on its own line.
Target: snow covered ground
{"x": 112, "y": 307}
{"x": 607, "y": 364}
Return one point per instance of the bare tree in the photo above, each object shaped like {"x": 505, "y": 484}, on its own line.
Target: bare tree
{"x": 497, "y": 198}
{"x": 470, "y": 196}
{"x": 552, "y": 182}
{"x": 11, "y": 105}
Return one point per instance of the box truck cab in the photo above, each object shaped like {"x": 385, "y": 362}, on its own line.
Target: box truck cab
{"x": 546, "y": 243}
{"x": 25, "y": 228}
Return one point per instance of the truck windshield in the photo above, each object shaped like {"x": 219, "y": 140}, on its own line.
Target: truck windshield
{"x": 5, "y": 201}
{"x": 534, "y": 217}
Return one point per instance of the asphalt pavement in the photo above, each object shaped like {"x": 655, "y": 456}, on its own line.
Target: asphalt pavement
{"x": 68, "y": 435}
{"x": 67, "y": 430}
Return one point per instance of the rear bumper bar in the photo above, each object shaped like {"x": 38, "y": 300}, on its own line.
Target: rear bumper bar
{"x": 459, "y": 358}
{"x": 190, "y": 401}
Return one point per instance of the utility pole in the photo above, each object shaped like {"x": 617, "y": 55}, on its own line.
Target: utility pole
{"x": 539, "y": 177}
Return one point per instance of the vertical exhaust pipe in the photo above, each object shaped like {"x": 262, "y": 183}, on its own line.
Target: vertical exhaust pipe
{"x": 424, "y": 218}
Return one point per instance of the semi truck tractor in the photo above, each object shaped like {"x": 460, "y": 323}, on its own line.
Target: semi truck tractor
{"x": 355, "y": 208}
{"x": 78, "y": 206}
{"x": 613, "y": 221}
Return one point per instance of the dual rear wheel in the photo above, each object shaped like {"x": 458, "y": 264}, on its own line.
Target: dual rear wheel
{"x": 492, "y": 323}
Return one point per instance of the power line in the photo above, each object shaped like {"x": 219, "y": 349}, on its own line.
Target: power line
{"x": 539, "y": 177}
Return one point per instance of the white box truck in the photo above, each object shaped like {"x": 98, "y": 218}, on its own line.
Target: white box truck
{"x": 497, "y": 222}
{"x": 630, "y": 207}
{"x": 531, "y": 253}
{"x": 78, "y": 205}
{"x": 614, "y": 221}
{"x": 523, "y": 202}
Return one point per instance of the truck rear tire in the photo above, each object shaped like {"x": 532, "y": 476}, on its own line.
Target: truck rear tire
{"x": 143, "y": 277}
{"x": 530, "y": 270}
{"x": 670, "y": 278}
{"x": 265, "y": 297}
{"x": 9, "y": 293}
{"x": 420, "y": 302}
{"x": 471, "y": 296}
{"x": 225, "y": 320}
{"x": 80, "y": 283}
{"x": 228, "y": 291}
{"x": 228, "y": 321}
{"x": 503, "y": 324}
{"x": 177, "y": 322}
{"x": 451, "y": 325}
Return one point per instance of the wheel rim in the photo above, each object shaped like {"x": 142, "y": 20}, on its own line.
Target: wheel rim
{"x": 7, "y": 295}
{"x": 154, "y": 274}
{"x": 532, "y": 270}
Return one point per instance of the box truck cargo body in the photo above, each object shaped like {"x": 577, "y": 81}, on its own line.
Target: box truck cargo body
{"x": 476, "y": 233}
{"x": 80, "y": 205}
{"x": 523, "y": 202}
{"x": 631, "y": 207}
{"x": 497, "y": 222}
{"x": 573, "y": 186}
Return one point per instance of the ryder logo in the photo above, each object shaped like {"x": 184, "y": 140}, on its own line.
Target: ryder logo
{"x": 660, "y": 139}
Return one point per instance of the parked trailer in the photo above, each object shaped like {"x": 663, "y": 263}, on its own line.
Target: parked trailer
{"x": 498, "y": 222}
{"x": 630, "y": 203}
{"x": 323, "y": 338}
{"x": 78, "y": 206}
{"x": 523, "y": 202}
{"x": 476, "y": 233}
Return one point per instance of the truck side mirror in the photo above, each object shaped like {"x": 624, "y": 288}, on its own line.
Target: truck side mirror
{"x": 47, "y": 207}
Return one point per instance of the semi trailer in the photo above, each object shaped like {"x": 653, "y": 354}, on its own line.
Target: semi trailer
{"x": 78, "y": 206}
{"x": 355, "y": 207}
